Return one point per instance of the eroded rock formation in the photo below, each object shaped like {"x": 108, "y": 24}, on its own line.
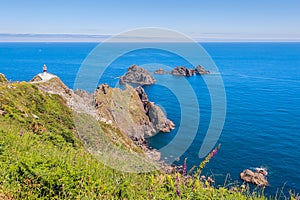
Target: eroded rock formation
{"x": 138, "y": 76}
{"x": 130, "y": 110}
{"x": 200, "y": 70}
{"x": 182, "y": 71}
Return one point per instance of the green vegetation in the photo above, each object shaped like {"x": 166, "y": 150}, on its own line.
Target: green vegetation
{"x": 41, "y": 157}
{"x": 2, "y": 78}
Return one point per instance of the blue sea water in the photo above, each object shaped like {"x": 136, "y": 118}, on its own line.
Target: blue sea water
{"x": 262, "y": 84}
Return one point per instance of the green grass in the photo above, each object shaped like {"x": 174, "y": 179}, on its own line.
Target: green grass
{"x": 49, "y": 161}
{"x": 2, "y": 78}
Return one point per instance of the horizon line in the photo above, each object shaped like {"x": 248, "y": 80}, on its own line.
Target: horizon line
{"x": 93, "y": 38}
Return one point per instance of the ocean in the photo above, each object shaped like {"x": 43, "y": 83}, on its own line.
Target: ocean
{"x": 262, "y": 85}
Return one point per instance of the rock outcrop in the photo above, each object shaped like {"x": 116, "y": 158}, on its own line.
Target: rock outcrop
{"x": 159, "y": 120}
{"x": 3, "y": 78}
{"x": 53, "y": 86}
{"x": 130, "y": 110}
{"x": 200, "y": 70}
{"x": 182, "y": 71}
{"x": 138, "y": 76}
{"x": 254, "y": 177}
{"x": 157, "y": 117}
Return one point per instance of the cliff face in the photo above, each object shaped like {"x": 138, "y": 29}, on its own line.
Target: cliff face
{"x": 131, "y": 111}
{"x": 128, "y": 110}
{"x": 3, "y": 78}
{"x": 124, "y": 109}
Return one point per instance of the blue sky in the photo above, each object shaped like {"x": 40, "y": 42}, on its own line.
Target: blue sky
{"x": 203, "y": 20}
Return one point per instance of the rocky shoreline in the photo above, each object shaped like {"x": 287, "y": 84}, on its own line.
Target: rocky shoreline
{"x": 128, "y": 110}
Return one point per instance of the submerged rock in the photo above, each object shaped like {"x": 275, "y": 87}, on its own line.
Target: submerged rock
{"x": 137, "y": 75}
{"x": 161, "y": 71}
{"x": 254, "y": 177}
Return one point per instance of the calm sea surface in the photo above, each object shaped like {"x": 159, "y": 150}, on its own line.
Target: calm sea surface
{"x": 262, "y": 84}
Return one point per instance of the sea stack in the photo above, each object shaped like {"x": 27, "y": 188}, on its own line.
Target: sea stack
{"x": 137, "y": 76}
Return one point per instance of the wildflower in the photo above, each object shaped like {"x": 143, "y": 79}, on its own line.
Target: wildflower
{"x": 215, "y": 151}
{"x": 207, "y": 159}
{"x": 21, "y": 133}
{"x": 177, "y": 189}
{"x": 178, "y": 192}
{"x": 184, "y": 167}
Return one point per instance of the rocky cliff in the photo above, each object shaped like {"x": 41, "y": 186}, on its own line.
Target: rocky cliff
{"x": 130, "y": 110}
{"x": 156, "y": 116}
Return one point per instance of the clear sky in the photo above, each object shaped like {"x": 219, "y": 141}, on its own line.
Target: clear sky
{"x": 208, "y": 19}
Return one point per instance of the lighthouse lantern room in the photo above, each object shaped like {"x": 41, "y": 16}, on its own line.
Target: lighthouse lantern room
{"x": 45, "y": 69}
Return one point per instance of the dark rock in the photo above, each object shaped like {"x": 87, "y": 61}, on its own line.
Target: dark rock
{"x": 182, "y": 71}
{"x": 104, "y": 88}
{"x": 137, "y": 75}
{"x": 200, "y": 70}
{"x": 254, "y": 177}
{"x": 142, "y": 94}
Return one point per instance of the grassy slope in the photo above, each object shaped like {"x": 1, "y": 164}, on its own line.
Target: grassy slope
{"x": 2, "y": 78}
{"x": 49, "y": 161}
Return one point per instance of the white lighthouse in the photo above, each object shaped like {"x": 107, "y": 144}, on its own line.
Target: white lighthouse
{"x": 45, "y": 69}
{"x": 45, "y": 76}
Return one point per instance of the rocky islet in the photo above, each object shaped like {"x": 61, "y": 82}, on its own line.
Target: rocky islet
{"x": 184, "y": 71}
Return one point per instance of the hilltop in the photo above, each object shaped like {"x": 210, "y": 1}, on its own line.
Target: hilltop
{"x": 2, "y": 78}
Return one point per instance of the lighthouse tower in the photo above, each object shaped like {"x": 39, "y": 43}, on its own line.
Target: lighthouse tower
{"x": 45, "y": 69}
{"x": 45, "y": 76}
